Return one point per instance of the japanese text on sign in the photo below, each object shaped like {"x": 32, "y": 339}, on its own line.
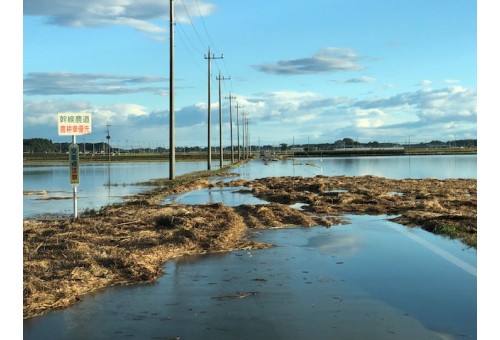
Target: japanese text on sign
{"x": 69, "y": 124}
{"x": 74, "y": 170}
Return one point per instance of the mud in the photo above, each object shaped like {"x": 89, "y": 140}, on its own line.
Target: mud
{"x": 129, "y": 243}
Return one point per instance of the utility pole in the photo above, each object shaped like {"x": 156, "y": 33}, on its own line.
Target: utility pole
{"x": 238, "y": 128}
{"x": 108, "y": 138}
{"x": 172, "y": 112}
{"x": 209, "y": 57}
{"x": 221, "y": 150}
{"x": 231, "y": 124}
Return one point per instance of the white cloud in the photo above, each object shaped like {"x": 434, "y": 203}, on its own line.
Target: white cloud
{"x": 66, "y": 83}
{"x": 43, "y": 113}
{"x": 329, "y": 59}
{"x": 98, "y": 13}
{"x": 425, "y": 83}
{"x": 281, "y": 116}
{"x": 445, "y": 102}
{"x": 362, "y": 80}
{"x": 370, "y": 113}
{"x": 366, "y": 123}
{"x": 123, "y": 112}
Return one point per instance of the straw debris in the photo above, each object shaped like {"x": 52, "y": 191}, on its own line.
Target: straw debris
{"x": 129, "y": 243}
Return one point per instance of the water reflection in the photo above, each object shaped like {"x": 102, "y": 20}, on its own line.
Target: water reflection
{"x": 233, "y": 196}
{"x": 371, "y": 279}
{"x": 365, "y": 280}
{"x": 100, "y": 184}
{"x": 104, "y": 184}
{"x": 395, "y": 167}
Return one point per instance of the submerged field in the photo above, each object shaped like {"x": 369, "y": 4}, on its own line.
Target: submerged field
{"x": 129, "y": 243}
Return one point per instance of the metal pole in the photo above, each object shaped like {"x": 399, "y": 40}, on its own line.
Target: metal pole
{"x": 172, "y": 112}
{"x": 75, "y": 205}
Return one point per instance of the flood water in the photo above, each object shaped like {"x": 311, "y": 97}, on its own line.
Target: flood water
{"x": 370, "y": 279}
{"x": 100, "y": 184}
{"x": 104, "y": 184}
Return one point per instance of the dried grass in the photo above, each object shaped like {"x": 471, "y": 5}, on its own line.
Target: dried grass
{"x": 129, "y": 243}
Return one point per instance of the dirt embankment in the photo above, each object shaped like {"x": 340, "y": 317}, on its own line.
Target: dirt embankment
{"x": 129, "y": 243}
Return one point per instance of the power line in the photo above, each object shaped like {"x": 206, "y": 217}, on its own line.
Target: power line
{"x": 187, "y": 48}
{"x": 192, "y": 24}
{"x": 203, "y": 22}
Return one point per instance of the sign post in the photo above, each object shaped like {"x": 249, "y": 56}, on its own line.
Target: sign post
{"x": 74, "y": 172}
{"x": 73, "y": 124}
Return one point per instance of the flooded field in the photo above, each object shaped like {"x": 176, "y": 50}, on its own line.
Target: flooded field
{"x": 47, "y": 188}
{"x": 370, "y": 278}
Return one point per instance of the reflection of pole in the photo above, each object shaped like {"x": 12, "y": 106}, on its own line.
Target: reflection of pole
{"x": 109, "y": 180}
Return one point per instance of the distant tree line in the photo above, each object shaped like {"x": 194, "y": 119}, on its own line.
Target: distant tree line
{"x": 42, "y": 145}
{"x": 351, "y": 143}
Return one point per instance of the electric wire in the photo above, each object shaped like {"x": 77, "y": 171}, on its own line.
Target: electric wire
{"x": 203, "y": 22}
{"x": 192, "y": 24}
{"x": 190, "y": 46}
{"x": 185, "y": 38}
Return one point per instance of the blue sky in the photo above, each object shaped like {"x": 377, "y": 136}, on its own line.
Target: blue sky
{"x": 301, "y": 71}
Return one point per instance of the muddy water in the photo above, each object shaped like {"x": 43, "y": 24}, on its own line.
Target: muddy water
{"x": 371, "y": 279}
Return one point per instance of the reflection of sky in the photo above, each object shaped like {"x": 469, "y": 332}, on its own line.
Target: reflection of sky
{"x": 367, "y": 276}
{"x": 229, "y": 196}
{"x": 395, "y": 167}
{"x": 102, "y": 184}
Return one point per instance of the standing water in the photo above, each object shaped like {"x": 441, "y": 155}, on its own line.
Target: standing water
{"x": 370, "y": 279}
